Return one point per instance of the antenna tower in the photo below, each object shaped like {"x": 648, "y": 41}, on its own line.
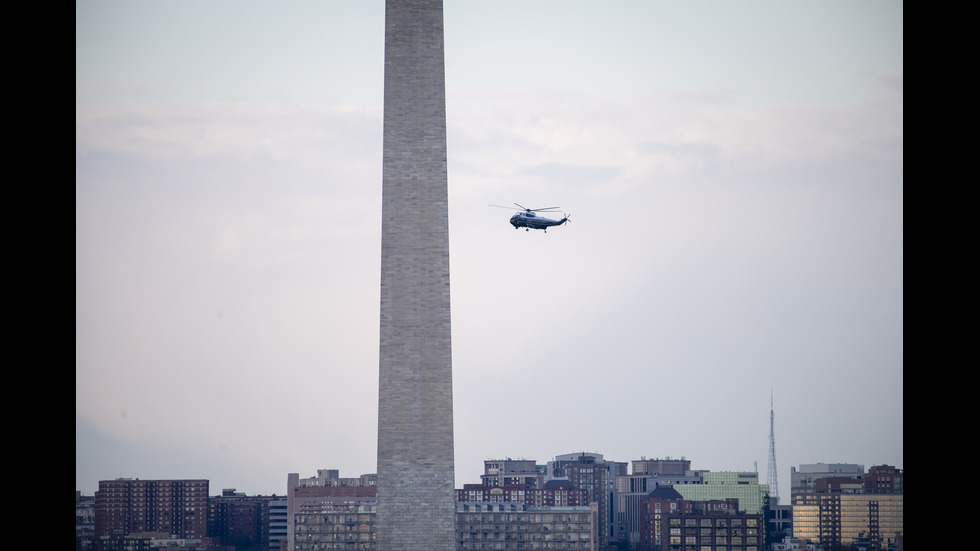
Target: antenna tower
{"x": 773, "y": 477}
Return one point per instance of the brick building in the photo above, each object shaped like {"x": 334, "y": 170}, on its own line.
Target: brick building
{"x": 178, "y": 508}
{"x": 883, "y": 479}
{"x": 670, "y": 522}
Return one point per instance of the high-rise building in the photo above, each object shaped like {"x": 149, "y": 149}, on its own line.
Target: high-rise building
{"x": 178, "y": 508}
{"x": 595, "y": 475}
{"x": 838, "y": 521}
{"x": 238, "y": 520}
{"x": 278, "y": 524}
{"x": 647, "y": 475}
{"x": 844, "y": 509}
{"x": 416, "y": 476}
{"x": 308, "y": 499}
{"x": 803, "y": 479}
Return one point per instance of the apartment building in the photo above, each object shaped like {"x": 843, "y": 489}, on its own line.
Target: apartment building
{"x": 235, "y": 519}
{"x": 671, "y": 523}
{"x": 517, "y": 526}
{"x": 555, "y": 493}
{"x": 177, "y": 508}
{"x": 309, "y": 499}
{"x": 592, "y": 473}
{"x": 331, "y": 526}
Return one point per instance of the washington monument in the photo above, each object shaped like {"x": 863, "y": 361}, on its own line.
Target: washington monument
{"x": 416, "y": 479}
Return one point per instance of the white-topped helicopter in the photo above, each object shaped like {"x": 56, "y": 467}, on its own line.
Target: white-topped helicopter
{"x": 528, "y": 219}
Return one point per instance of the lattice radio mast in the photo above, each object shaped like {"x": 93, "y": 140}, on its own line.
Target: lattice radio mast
{"x": 773, "y": 476}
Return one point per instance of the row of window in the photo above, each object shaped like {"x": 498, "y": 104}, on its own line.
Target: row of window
{"x": 524, "y": 517}
{"x": 521, "y": 527}
{"x": 710, "y": 547}
{"x": 716, "y": 532}
{"x": 533, "y": 536}
{"x": 714, "y": 521}
{"x": 719, "y": 540}
{"x": 565, "y": 546}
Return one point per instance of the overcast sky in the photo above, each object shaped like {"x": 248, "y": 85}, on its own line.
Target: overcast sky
{"x": 734, "y": 172}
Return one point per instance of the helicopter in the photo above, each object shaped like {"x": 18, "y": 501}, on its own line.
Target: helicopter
{"x": 528, "y": 219}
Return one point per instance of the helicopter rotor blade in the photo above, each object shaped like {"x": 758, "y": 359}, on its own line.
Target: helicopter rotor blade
{"x": 536, "y": 210}
{"x": 525, "y": 209}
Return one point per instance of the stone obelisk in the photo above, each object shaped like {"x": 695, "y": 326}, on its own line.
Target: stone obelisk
{"x": 416, "y": 496}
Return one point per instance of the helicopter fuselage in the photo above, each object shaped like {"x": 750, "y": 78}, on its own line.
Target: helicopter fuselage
{"x": 531, "y": 220}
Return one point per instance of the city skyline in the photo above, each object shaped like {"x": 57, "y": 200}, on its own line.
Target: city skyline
{"x": 359, "y": 477}
{"x": 734, "y": 176}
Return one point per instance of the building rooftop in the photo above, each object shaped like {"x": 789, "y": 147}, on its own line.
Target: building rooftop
{"x": 665, "y": 492}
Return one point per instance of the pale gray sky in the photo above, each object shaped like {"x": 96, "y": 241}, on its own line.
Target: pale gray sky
{"x": 734, "y": 173}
